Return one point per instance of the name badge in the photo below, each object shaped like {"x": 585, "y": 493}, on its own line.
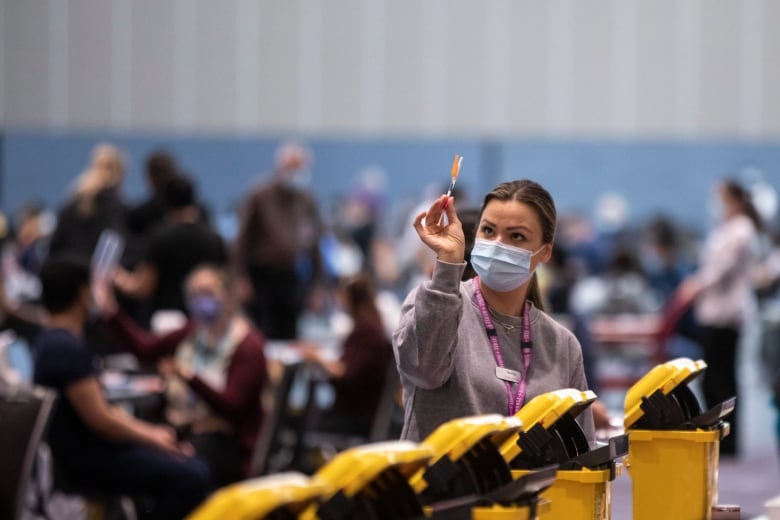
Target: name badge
{"x": 509, "y": 375}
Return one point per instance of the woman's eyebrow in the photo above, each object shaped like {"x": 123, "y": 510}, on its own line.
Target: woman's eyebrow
{"x": 521, "y": 227}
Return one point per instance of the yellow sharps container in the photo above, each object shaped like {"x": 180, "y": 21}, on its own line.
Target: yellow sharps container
{"x": 468, "y": 478}
{"x": 276, "y": 497}
{"x": 673, "y": 447}
{"x": 551, "y": 435}
{"x": 371, "y": 481}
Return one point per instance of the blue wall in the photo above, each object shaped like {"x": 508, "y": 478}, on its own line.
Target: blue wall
{"x": 671, "y": 177}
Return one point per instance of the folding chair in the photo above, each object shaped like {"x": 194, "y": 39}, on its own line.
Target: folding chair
{"x": 24, "y": 418}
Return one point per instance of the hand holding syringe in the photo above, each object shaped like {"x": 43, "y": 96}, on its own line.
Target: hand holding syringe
{"x": 454, "y": 173}
{"x": 447, "y": 241}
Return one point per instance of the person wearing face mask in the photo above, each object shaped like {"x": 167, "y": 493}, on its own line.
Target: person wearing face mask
{"x": 277, "y": 247}
{"x": 215, "y": 368}
{"x": 722, "y": 294}
{"x": 484, "y": 345}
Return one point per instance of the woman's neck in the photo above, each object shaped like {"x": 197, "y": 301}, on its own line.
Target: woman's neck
{"x": 217, "y": 331}
{"x": 509, "y": 303}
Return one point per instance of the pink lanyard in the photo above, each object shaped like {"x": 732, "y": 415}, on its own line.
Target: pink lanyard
{"x": 526, "y": 344}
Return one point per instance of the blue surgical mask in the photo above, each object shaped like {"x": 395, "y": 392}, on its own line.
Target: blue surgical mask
{"x": 205, "y": 309}
{"x": 501, "y": 267}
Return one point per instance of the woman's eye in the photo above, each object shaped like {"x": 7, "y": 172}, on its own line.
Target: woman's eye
{"x": 487, "y": 230}
{"x": 518, "y": 237}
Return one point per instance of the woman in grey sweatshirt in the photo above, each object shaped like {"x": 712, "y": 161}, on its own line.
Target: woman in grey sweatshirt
{"x": 484, "y": 345}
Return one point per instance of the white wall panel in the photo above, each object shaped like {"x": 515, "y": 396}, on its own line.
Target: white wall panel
{"x": 527, "y": 67}
{"x": 121, "y": 63}
{"x": 751, "y": 67}
{"x": 435, "y": 56}
{"x": 247, "y": 65}
{"x": 3, "y": 35}
{"x": 340, "y": 66}
{"x": 373, "y": 35}
{"x": 59, "y": 11}
{"x": 591, "y": 88}
{"x": 656, "y": 66}
{"x": 277, "y": 57}
{"x": 771, "y": 55}
{"x": 680, "y": 68}
{"x": 465, "y": 72}
{"x": 559, "y": 42}
{"x": 153, "y": 92}
{"x": 89, "y": 63}
{"x": 719, "y": 88}
{"x": 622, "y": 67}
{"x": 215, "y": 64}
{"x": 26, "y": 74}
{"x": 495, "y": 65}
{"x": 404, "y": 66}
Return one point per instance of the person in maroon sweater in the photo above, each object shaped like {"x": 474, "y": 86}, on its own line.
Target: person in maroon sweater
{"x": 358, "y": 376}
{"x": 215, "y": 368}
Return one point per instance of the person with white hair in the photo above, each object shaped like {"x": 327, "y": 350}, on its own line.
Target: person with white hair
{"x": 277, "y": 248}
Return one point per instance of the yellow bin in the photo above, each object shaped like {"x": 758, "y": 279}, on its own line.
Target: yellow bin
{"x": 510, "y": 513}
{"x": 577, "y": 494}
{"x": 370, "y": 480}
{"x": 583, "y": 493}
{"x": 674, "y": 473}
{"x": 471, "y": 444}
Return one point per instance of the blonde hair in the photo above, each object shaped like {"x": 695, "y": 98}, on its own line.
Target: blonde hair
{"x": 106, "y": 170}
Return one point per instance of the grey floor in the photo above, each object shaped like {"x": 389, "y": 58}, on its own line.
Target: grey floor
{"x": 754, "y": 477}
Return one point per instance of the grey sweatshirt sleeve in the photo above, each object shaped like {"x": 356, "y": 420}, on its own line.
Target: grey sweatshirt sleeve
{"x": 428, "y": 329}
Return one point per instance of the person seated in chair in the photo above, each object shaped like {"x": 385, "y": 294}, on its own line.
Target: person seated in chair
{"x": 358, "y": 376}
{"x": 99, "y": 448}
{"x": 215, "y": 368}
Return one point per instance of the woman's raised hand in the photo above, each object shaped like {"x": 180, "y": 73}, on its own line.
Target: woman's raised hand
{"x": 444, "y": 236}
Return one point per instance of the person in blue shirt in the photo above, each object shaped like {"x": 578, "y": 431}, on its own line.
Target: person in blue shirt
{"x": 97, "y": 447}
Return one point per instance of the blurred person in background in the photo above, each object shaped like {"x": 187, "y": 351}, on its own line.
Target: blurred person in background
{"x": 146, "y": 216}
{"x": 767, "y": 280}
{"x": 627, "y": 290}
{"x": 278, "y": 245}
{"x": 358, "y": 375}
{"x": 33, "y": 226}
{"x": 721, "y": 291}
{"x": 666, "y": 268}
{"x": 174, "y": 249}
{"x": 98, "y": 447}
{"x": 215, "y": 367}
{"x": 95, "y": 204}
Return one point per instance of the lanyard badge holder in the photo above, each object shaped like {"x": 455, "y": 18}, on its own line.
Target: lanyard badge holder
{"x": 510, "y": 377}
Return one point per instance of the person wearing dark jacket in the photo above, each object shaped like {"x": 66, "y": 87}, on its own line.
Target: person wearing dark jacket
{"x": 174, "y": 249}
{"x": 95, "y": 204}
{"x": 358, "y": 375}
{"x": 278, "y": 246}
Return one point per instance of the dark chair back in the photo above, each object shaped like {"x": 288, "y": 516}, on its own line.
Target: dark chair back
{"x": 274, "y": 421}
{"x": 24, "y": 418}
{"x": 383, "y": 416}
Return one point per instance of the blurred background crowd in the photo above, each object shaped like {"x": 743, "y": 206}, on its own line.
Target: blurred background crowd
{"x": 287, "y": 147}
